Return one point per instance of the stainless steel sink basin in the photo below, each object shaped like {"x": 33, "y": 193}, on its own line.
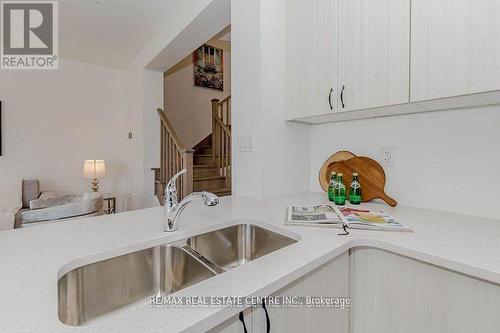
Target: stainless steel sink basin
{"x": 234, "y": 246}
{"x": 98, "y": 288}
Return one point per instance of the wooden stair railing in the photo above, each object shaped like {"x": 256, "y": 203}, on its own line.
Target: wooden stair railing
{"x": 221, "y": 137}
{"x": 173, "y": 158}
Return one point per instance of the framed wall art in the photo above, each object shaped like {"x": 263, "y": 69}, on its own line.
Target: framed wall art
{"x": 208, "y": 63}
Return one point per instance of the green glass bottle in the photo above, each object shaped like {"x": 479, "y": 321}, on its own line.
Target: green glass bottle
{"x": 331, "y": 186}
{"x": 340, "y": 192}
{"x": 355, "y": 190}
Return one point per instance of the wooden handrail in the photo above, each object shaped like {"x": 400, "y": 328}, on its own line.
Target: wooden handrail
{"x": 174, "y": 157}
{"x": 223, "y": 126}
{"x": 170, "y": 128}
{"x": 221, "y": 137}
{"x": 225, "y": 99}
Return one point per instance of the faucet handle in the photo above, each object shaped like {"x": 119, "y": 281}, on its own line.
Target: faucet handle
{"x": 171, "y": 189}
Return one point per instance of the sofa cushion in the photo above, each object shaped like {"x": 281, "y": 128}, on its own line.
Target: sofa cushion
{"x": 79, "y": 207}
{"x": 51, "y": 202}
{"x": 52, "y": 194}
{"x": 31, "y": 191}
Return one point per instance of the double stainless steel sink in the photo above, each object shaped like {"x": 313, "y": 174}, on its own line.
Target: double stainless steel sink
{"x": 98, "y": 288}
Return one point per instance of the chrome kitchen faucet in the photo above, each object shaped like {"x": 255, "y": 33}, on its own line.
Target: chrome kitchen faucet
{"x": 173, "y": 209}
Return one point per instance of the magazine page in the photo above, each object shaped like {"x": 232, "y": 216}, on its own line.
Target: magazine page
{"x": 370, "y": 219}
{"x": 320, "y": 214}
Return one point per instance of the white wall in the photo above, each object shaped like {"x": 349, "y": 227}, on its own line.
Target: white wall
{"x": 246, "y": 77}
{"x": 285, "y": 145}
{"x": 445, "y": 160}
{"x": 280, "y": 164}
{"x": 153, "y": 97}
{"x": 54, "y": 120}
{"x": 188, "y": 106}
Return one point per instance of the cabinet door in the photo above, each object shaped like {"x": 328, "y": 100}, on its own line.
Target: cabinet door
{"x": 455, "y": 48}
{"x": 392, "y": 293}
{"x": 329, "y": 280}
{"x": 311, "y": 57}
{"x": 374, "y": 53}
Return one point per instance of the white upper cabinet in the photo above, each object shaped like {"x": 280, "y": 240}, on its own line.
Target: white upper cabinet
{"x": 389, "y": 57}
{"x": 374, "y": 53}
{"x": 311, "y": 57}
{"x": 455, "y": 48}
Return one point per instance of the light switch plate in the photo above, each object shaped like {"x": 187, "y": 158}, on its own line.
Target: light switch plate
{"x": 246, "y": 143}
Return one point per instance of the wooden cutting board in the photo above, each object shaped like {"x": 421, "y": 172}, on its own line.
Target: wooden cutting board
{"x": 325, "y": 171}
{"x": 371, "y": 176}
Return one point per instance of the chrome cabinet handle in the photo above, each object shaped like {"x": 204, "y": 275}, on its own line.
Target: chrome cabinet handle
{"x": 330, "y": 99}
{"x": 342, "y": 97}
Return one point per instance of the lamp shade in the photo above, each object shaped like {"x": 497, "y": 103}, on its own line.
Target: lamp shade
{"x": 94, "y": 169}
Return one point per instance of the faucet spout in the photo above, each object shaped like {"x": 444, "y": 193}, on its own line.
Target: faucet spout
{"x": 209, "y": 198}
{"x": 173, "y": 209}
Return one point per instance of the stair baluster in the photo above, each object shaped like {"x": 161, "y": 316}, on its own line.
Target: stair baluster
{"x": 173, "y": 158}
{"x": 221, "y": 137}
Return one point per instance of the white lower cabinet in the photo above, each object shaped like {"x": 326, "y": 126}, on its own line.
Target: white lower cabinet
{"x": 392, "y": 293}
{"x": 389, "y": 293}
{"x": 329, "y": 280}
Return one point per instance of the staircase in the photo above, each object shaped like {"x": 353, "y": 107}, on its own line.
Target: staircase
{"x": 208, "y": 164}
{"x": 206, "y": 176}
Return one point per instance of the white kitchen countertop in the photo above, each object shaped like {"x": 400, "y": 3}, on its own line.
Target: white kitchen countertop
{"x": 32, "y": 259}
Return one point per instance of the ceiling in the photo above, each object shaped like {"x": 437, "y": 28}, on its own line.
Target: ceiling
{"x": 110, "y": 32}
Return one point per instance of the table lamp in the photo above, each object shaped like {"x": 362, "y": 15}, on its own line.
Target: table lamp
{"x": 94, "y": 169}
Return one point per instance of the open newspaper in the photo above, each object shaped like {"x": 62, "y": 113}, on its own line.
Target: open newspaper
{"x": 354, "y": 218}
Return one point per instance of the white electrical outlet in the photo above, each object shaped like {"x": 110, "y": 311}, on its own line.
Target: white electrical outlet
{"x": 388, "y": 157}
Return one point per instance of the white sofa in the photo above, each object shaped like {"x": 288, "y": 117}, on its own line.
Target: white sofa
{"x": 47, "y": 207}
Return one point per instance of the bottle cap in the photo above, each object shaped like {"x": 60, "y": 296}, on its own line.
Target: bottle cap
{"x": 333, "y": 173}
{"x": 340, "y": 174}
{"x": 355, "y": 174}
